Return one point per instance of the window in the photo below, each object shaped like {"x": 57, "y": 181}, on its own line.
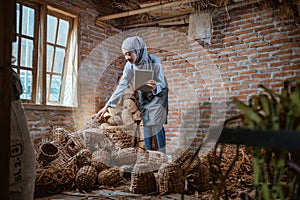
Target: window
{"x": 45, "y": 55}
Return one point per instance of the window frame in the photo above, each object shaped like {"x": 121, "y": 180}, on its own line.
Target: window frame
{"x": 39, "y": 85}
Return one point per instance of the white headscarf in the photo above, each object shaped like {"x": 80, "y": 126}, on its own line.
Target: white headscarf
{"x": 137, "y": 45}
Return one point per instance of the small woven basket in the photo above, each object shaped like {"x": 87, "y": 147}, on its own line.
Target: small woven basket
{"x": 109, "y": 177}
{"x": 142, "y": 179}
{"x": 47, "y": 153}
{"x": 198, "y": 177}
{"x": 156, "y": 159}
{"x": 86, "y": 178}
{"x": 74, "y": 144}
{"x": 83, "y": 157}
{"x": 125, "y": 156}
{"x": 170, "y": 179}
{"x": 100, "y": 160}
{"x": 61, "y": 161}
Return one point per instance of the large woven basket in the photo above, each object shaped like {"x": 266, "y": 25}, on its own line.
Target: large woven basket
{"x": 109, "y": 177}
{"x": 101, "y": 160}
{"x": 95, "y": 139}
{"x": 86, "y": 178}
{"x": 125, "y": 156}
{"x": 47, "y": 153}
{"x": 156, "y": 159}
{"x": 142, "y": 179}
{"x": 74, "y": 144}
{"x": 183, "y": 157}
{"x": 127, "y": 117}
{"x": 170, "y": 179}
{"x": 130, "y": 105}
{"x": 198, "y": 176}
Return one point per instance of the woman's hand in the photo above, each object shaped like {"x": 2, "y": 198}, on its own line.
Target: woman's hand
{"x": 101, "y": 112}
{"x": 151, "y": 84}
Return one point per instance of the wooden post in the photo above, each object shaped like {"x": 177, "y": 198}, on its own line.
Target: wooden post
{"x": 7, "y": 27}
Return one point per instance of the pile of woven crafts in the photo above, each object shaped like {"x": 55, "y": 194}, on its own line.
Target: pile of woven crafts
{"x": 109, "y": 150}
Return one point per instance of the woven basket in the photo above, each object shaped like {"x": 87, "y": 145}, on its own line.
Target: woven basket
{"x": 170, "y": 179}
{"x": 86, "y": 178}
{"x": 183, "y": 157}
{"x": 130, "y": 105}
{"x": 95, "y": 139}
{"x": 109, "y": 177}
{"x": 83, "y": 157}
{"x": 125, "y": 156}
{"x": 142, "y": 179}
{"x": 198, "y": 177}
{"x": 126, "y": 170}
{"x": 127, "y": 117}
{"x": 60, "y": 136}
{"x": 47, "y": 152}
{"x": 61, "y": 161}
{"x": 100, "y": 160}
{"x": 114, "y": 120}
{"x": 156, "y": 159}
{"x": 74, "y": 144}
{"x": 122, "y": 140}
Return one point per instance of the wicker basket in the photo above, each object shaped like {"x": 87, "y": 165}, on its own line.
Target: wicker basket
{"x": 126, "y": 170}
{"x": 47, "y": 152}
{"x": 125, "y": 156}
{"x": 95, "y": 139}
{"x": 86, "y": 178}
{"x": 83, "y": 157}
{"x": 109, "y": 177}
{"x": 183, "y": 157}
{"x": 170, "y": 179}
{"x": 198, "y": 177}
{"x": 61, "y": 161}
{"x": 142, "y": 179}
{"x": 127, "y": 117}
{"x": 74, "y": 144}
{"x": 60, "y": 136}
{"x": 122, "y": 140}
{"x": 100, "y": 160}
{"x": 130, "y": 105}
{"x": 156, "y": 159}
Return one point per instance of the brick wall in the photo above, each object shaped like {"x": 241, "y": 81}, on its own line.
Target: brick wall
{"x": 254, "y": 46}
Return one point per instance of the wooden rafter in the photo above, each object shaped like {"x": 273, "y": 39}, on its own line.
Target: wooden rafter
{"x": 143, "y": 10}
{"x": 184, "y": 18}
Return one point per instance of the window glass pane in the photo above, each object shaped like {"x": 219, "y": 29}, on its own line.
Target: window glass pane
{"x": 51, "y": 28}
{"x": 50, "y": 51}
{"x": 55, "y": 88}
{"x": 63, "y": 31}
{"x": 18, "y": 7}
{"x": 26, "y": 52}
{"x": 59, "y": 60}
{"x": 28, "y": 21}
{"x": 15, "y": 52}
{"x": 68, "y": 91}
{"x": 26, "y": 80}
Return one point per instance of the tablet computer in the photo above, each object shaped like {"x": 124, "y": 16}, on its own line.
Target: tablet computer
{"x": 140, "y": 77}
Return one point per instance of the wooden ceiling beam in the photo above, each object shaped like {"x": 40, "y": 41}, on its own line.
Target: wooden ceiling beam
{"x": 166, "y": 20}
{"x": 185, "y": 19}
{"x": 143, "y": 10}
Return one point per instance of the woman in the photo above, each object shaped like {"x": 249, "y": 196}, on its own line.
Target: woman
{"x": 154, "y": 100}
